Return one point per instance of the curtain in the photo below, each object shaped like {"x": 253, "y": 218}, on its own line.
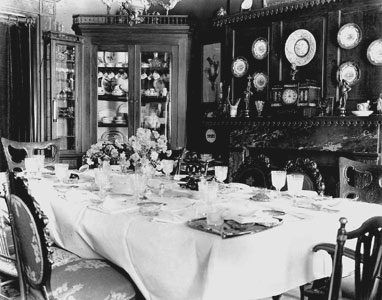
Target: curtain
{"x": 15, "y": 82}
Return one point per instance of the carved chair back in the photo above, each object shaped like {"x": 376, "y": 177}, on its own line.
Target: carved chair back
{"x": 312, "y": 177}
{"x": 367, "y": 258}
{"x": 15, "y": 152}
{"x": 360, "y": 181}
{"x": 31, "y": 241}
{"x": 255, "y": 171}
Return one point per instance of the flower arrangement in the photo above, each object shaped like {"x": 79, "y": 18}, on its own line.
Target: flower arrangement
{"x": 146, "y": 148}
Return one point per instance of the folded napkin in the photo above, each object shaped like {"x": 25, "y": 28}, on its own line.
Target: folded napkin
{"x": 114, "y": 204}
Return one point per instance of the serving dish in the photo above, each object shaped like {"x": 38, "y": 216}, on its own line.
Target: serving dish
{"x": 239, "y": 66}
{"x": 300, "y": 47}
{"x": 374, "y": 52}
{"x": 260, "y": 81}
{"x": 362, "y": 113}
{"x": 260, "y": 48}
{"x": 108, "y": 113}
{"x": 350, "y": 72}
{"x": 113, "y": 136}
{"x": 349, "y": 36}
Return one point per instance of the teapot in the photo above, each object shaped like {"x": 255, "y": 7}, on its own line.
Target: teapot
{"x": 364, "y": 106}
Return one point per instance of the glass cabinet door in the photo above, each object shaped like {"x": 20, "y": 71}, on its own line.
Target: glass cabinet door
{"x": 155, "y": 91}
{"x": 113, "y": 95}
{"x": 64, "y": 94}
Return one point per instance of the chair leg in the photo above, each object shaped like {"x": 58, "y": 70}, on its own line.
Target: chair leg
{"x": 278, "y": 297}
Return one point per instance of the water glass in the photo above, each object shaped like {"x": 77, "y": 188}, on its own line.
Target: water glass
{"x": 61, "y": 170}
{"x": 31, "y": 166}
{"x": 138, "y": 183}
{"x": 295, "y": 182}
{"x": 214, "y": 215}
{"x": 278, "y": 179}
{"x": 102, "y": 181}
{"x": 221, "y": 173}
{"x": 40, "y": 161}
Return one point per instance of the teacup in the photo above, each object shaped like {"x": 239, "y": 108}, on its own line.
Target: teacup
{"x": 363, "y": 106}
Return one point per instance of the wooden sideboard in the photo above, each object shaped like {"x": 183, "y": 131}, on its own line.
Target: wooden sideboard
{"x": 323, "y": 139}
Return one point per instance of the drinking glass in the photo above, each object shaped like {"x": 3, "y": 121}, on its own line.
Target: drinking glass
{"x": 40, "y": 161}
{"x": 221, "y": 173}
{"x": 168, "y": 166}
{"x": 295, "y": 182}
{"x": 31, "y": 166}
{"x": 102, "y": 181}
{"x": 61, "y": 170}
{"x": 214, "y": 214}
{"x": 278, "y": 179}
{"x": 138, "y": 184}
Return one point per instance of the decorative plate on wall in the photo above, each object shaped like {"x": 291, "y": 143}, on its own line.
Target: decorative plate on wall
{"x": 374, "y": 52}
{"x": 349, "y": 36}
{"x": 300, "y": 47}
{"x": 260, "y": 81}
{"x": 260, "y": 48}
{"x": 349, "y": 72}
{"x": 239, "y": 66}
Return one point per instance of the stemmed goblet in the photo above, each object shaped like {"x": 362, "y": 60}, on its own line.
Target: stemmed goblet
{"x": 168, "y": 166}
{"x": 278, "y": 179}
{"x": 259, "y": 106}
{"x": 221, "y": 173}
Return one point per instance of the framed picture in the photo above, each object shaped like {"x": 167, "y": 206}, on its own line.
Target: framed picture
{"x": 211, "y": 72}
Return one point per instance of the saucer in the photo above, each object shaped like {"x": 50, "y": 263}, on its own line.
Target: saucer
{"x": 362, "y": 113}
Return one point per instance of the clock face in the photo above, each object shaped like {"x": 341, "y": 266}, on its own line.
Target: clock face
{"x": 289, "y": 96}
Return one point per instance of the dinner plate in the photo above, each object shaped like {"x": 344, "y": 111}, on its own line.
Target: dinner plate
{"x": 239, "y": 66}
{"x": 362, "y": 113}
{"x": 349, "y": 72}
{"x": 300, "y": 47}
{"x": 349, "y": 36}
{"x": 260, "y": 81}
{"x": 260, "y": 48}
{"x": 374, "y": 52}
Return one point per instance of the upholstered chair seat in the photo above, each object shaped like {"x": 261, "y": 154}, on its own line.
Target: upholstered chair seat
{"x": 87, "y": 279}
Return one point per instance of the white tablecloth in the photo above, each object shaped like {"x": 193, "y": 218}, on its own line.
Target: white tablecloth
{"x": 170, "y": 261}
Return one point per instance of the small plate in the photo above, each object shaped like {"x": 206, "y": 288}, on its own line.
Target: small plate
{"x": 374, "y": 52}
{"x": 349, "y": 72}
{"x": 349, "y": 36}
{"x": 239, "y": 66}
{"x": 260, "y": 48}
{"x": 362, "y": 113}
{"x": 260, "y": 81}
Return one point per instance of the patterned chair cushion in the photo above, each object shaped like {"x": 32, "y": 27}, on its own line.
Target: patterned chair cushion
{"x": 89, "y": 279}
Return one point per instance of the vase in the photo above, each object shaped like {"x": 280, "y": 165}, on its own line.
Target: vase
{"x": 138, "y": 6}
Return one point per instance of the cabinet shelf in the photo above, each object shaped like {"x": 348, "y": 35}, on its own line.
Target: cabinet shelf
{"x": 100, "y": 124}
{"x": 150, "y": 99}
{"x": 114, "y": 69}
{"x": 112, "y": 98}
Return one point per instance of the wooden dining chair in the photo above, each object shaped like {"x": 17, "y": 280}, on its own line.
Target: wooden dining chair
{"x": 52, "y": 273}
{"x": 255, "y": 171}
{"x": 313, "y": 180}
{"x": 366, "y": 283}
{"x": 360, "y": 181}
{"x": 15, "y": 152}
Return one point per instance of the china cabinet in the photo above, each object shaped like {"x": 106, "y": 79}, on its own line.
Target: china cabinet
{"x": 137, "y": 75}
{"x": 63, "y": 87}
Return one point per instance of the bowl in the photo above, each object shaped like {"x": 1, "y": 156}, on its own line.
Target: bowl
{"x": 362, "y": 113}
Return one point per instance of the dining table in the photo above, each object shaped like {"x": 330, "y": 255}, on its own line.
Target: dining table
{"x": 170, "y": 256}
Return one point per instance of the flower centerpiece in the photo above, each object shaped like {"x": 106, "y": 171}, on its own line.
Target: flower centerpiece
{"x": 145, "y": 149}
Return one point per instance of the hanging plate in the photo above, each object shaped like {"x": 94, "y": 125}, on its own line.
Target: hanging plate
{"x": 374, "y": 52}
{"x": 260, "y": 81}
{"x": 113, "y": 136}
{"x": 349, "y": 36}
{"x": 349, "y": 72}
{"x": 239, "y": 66}
{"x": 260, "y": 48}
{"x": 300, "y": 47}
